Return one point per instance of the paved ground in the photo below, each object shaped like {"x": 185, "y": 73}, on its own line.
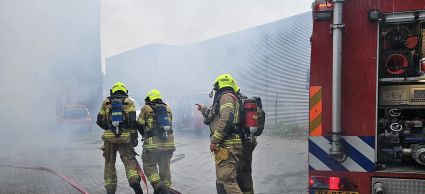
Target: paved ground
{"x": 280, "y": 166}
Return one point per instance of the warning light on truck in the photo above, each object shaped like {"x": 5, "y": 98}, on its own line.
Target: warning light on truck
{"x": 322, "y": 9}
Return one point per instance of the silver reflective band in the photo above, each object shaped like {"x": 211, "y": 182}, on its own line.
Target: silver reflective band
{"x": 253, "y": 130}
{"x": 167, "y": 128}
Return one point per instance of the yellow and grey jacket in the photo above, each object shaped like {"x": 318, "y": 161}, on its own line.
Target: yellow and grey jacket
{"x": 149, "y": 129}
{"x": 104, "y": 118}
{"x": 223, "y": 123}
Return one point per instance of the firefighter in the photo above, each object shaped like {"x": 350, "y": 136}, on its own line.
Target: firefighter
{"x": 154, "y": 124}
{"x": 117, "y": 116}
{"x": 225, "y": 141}
{"x": 244, "y": 170}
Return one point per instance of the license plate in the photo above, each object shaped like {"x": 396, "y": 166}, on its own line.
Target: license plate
{"x": 334, "y": 192}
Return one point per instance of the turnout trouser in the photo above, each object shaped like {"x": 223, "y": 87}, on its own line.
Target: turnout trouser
{"x": 244, "y": 171}
{"x": 127, "y": 157}
{"x": 226, "y": 172}
{"x": 156, "y": 164}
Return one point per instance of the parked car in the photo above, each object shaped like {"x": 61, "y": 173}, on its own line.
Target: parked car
{"x": 75, "y": 116}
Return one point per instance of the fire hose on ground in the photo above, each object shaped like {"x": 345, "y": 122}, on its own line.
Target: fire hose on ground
{"x": 143, "y": 176}
{"x": 76, "y": 186}
{"x": 63, "y": 177}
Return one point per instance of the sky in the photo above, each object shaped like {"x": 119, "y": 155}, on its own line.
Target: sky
{"x": 129, "y": 24}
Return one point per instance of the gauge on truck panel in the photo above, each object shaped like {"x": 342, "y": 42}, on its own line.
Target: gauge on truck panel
{"x": 410, "y": 95}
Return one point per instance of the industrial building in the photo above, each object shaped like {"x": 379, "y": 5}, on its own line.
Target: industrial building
{"x": 271, "y": 61}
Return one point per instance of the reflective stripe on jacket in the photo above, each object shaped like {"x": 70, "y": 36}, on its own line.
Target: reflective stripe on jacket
{"x": 227, "y": 117}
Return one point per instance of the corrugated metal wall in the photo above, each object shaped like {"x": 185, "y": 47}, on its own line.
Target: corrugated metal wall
{"x": 270, "y": 61}
{"x": 273, "y": 61}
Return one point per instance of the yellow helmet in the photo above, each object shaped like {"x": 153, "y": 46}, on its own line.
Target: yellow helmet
{"x": 225, "y": 80}
{"x": 119, "y": 86}
{"x": 153, "y": 95}
{"x": 236, "y": 86}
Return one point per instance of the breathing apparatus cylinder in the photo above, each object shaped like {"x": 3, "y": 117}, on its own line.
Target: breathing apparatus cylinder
{"x": 162, "y": 119}
{"x": 250, "y": 115}
{"x": 117, "y": 115}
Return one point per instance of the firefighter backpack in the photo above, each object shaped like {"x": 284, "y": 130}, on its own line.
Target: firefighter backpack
{"x": 253, "y": 116}
{"x": 117, "y": 115}
{"x": 117, "y": 121}
{"x": 162, "y": 120}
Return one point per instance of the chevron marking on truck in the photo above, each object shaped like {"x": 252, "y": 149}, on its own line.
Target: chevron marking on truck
{"x": 359, "y": 149}
{"x": 315, "y": 111}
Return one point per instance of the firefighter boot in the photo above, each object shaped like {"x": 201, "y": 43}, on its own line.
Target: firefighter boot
{"x": 110, "y": 192}
{"x": 159, "y": 188}
{"x": 137, "y": 188}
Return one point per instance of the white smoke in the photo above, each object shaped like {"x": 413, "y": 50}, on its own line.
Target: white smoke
{"x": 49, "y": 49}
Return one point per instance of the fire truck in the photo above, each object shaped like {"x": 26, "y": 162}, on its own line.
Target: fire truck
{"x": 367, "y": 97}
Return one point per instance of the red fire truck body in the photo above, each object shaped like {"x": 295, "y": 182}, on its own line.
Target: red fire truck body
{"x": 380, "y": 87}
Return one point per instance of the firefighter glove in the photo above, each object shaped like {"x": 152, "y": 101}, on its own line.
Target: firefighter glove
{"x": 134, "y": 142}
{"x": 221, "y": 154}
{"x": 101, "y": 122}
{"x": 213, "y": 147}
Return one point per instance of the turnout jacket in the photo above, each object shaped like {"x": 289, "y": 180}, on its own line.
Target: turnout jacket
{"x": 104, "y": 120}
{"x": 225, "y": 117}
{"x": 148, "y": 128}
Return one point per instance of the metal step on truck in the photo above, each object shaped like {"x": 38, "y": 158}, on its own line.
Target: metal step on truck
{"x": 367, "y": 97}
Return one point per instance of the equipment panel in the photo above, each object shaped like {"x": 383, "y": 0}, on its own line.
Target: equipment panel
{"x": 401, "y": 105}
{"x": 412, "y": 95}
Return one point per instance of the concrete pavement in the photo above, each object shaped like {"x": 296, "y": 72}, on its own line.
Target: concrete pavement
{"x": 280, "y": 166}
